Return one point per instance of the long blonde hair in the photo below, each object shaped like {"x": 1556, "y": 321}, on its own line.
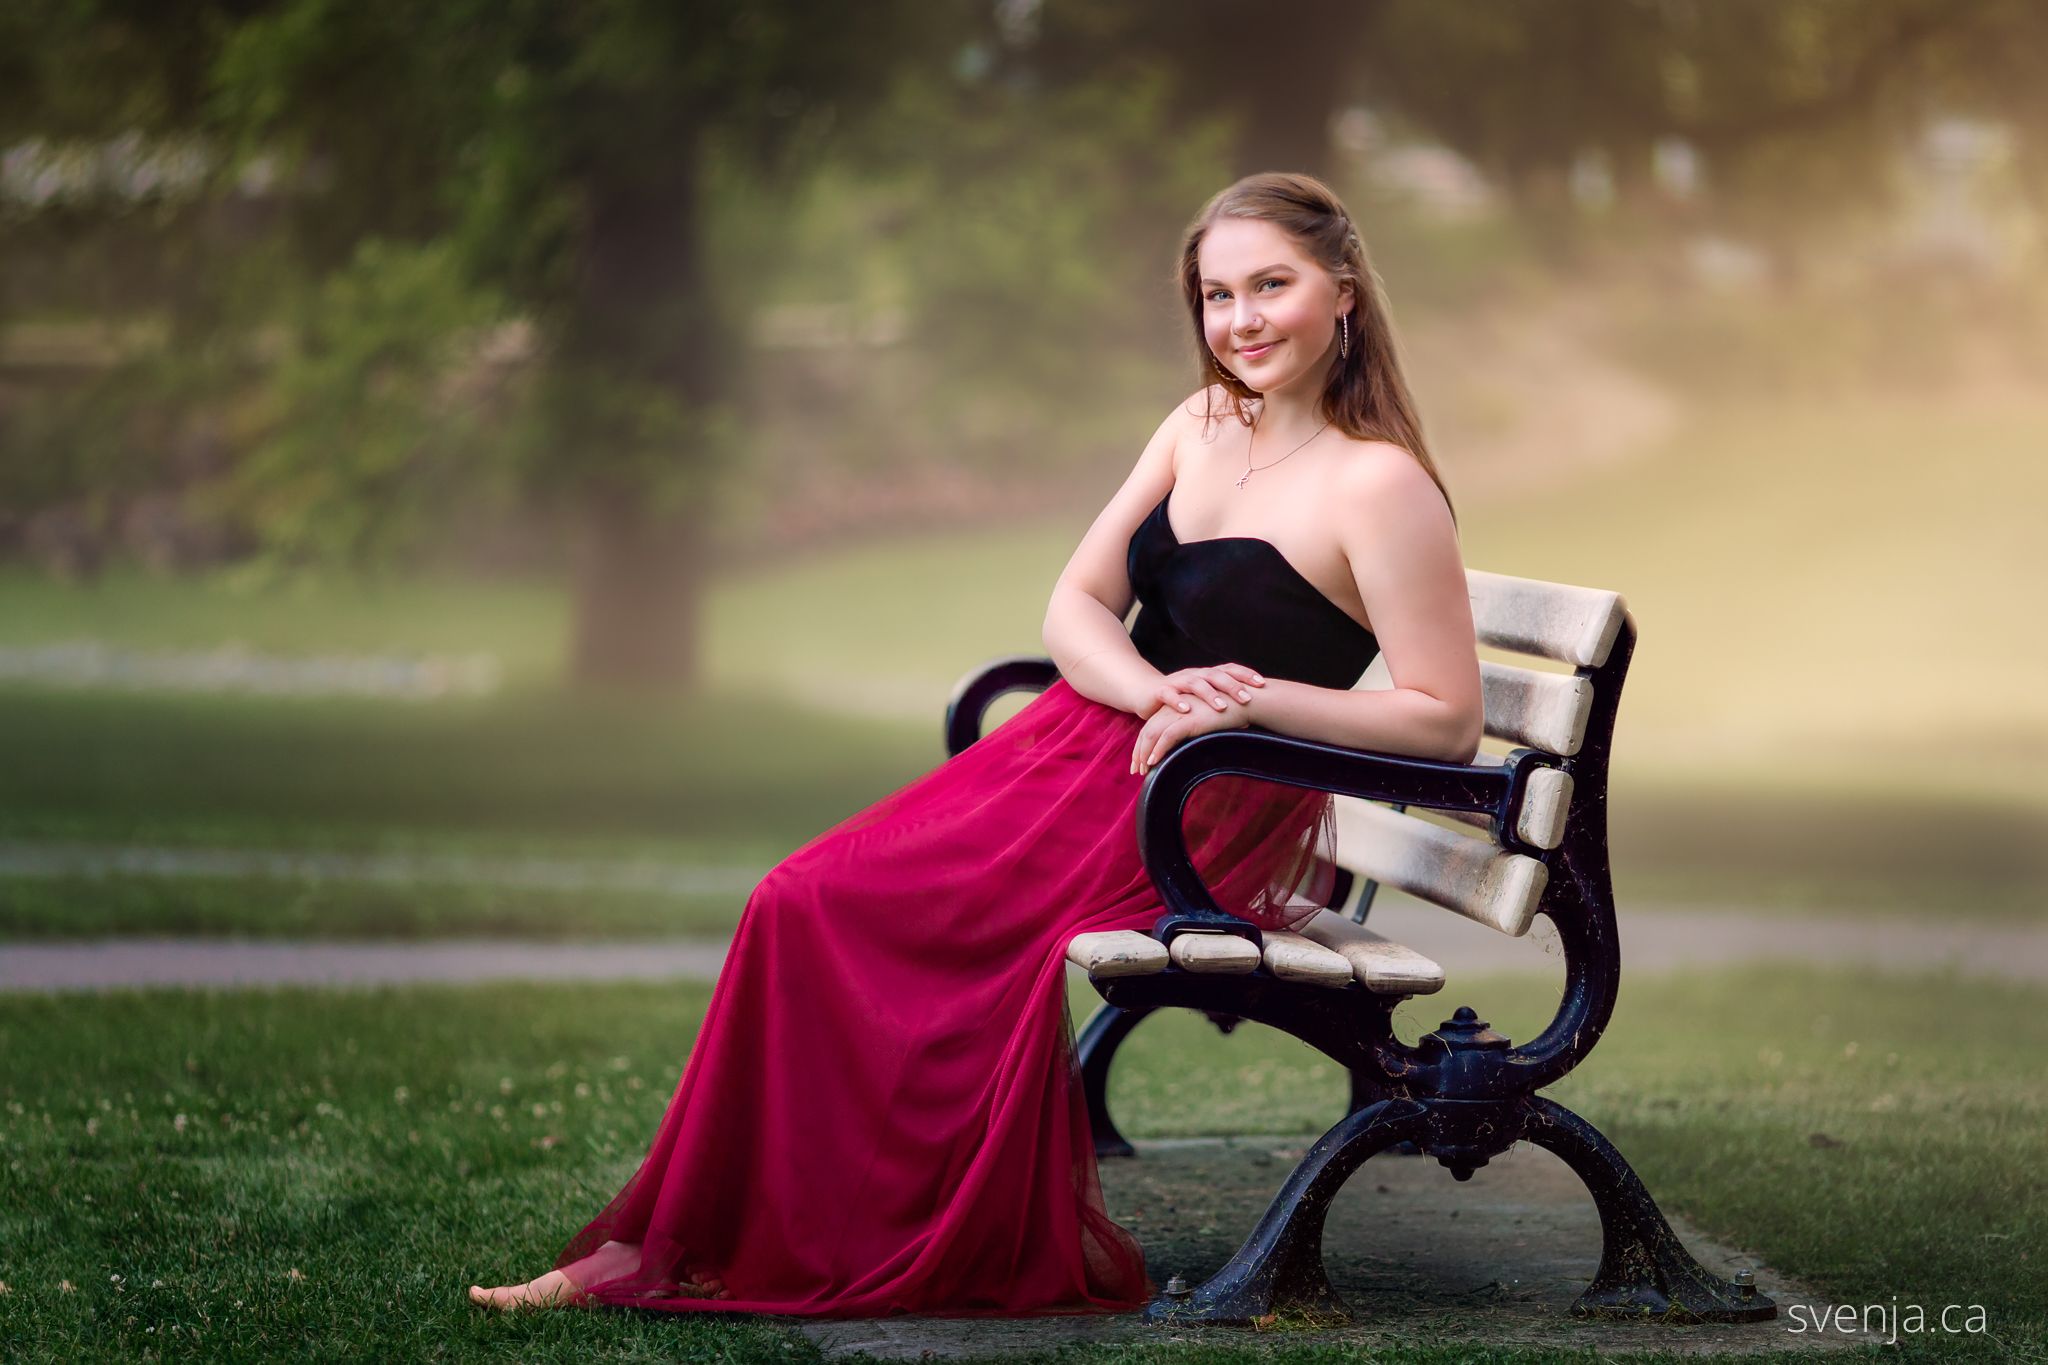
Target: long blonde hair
{"x": 1366, "y": 395}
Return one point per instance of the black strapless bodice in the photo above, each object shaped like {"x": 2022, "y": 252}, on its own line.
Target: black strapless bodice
{"x": 1236, "y": 599}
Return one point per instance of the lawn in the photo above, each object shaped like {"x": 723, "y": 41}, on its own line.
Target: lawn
{"x": 728, "y": 776}
{"x": 240, "y": 1174}
{"x": 88, "y": 907}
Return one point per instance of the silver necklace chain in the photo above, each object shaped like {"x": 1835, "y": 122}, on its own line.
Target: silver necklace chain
{"x": 1251, "y": 469}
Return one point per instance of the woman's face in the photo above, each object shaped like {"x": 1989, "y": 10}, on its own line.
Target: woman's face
{"x": 1269, "y": 313}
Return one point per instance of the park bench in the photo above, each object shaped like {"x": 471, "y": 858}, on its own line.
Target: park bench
{"x": 1528, "y": 837}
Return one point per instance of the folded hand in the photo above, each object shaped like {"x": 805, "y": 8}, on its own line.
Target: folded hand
{"x": 1197, "y": 711}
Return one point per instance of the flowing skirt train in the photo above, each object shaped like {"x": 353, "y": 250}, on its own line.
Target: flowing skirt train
{"x": 881, "y": 1113}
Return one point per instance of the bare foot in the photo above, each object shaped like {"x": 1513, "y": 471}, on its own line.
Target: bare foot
{"x": 610, "y": 1261}
{"x": 552, "y": 1290}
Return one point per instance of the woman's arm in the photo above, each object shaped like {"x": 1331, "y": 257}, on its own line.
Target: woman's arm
{"x": 1403, "y": 547}
{"x": 1084, "y": 622}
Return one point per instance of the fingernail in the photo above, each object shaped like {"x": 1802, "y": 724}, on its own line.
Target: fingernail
{"x": 1243, "y": 695}
{"x": 1183, "y": 706}
{"x": 1258, "y": 677}
{"x": 1219, "y": 703}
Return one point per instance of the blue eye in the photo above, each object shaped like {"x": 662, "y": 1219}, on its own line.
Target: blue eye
{"x": 1215, "y": 294}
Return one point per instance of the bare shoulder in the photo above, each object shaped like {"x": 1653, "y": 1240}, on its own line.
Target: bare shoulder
{"x": 1378, "y": 483}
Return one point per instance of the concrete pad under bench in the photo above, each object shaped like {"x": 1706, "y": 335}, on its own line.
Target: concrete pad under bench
{"x": 1496, "y": 1260}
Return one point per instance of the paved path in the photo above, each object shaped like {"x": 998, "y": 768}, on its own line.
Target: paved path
{"x": 230, "y": 962}
{"x": 1663, "y": 940}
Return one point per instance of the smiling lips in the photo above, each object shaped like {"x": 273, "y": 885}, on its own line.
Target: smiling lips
{"x": 1255, "y": 352}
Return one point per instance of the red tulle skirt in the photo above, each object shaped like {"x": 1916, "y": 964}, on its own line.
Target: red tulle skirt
{"x": 882, "y": 1112}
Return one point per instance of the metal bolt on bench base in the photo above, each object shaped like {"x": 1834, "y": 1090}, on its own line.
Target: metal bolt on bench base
{"x": 1462, "y": 1094}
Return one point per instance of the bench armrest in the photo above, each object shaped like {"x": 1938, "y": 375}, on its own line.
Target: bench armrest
{"x": 1255, "y": 752}
{"x": 976, "y": 692}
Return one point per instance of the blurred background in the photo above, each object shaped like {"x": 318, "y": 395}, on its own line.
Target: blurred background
{"x": 523, "y": 467}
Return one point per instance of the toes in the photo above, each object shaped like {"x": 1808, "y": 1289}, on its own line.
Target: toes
{"x": 510, "y": 1298}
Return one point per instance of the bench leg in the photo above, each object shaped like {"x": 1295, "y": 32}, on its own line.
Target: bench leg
{"x": 1279, "y": 1269}
{"x": 1094, "y": 1049}
{"x": 1365, "y": 1089}
{"x": 1645, "y": 1271}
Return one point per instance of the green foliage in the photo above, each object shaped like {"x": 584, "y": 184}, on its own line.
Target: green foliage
{"x": 639, "y": 181}
{"x": 1081, "y": 225}
{"x": 84, "y": 438}
{"x": 1045, "y": 293}
{"x": 1799, "y": 108}
{"x": 600, "y": 432}
{"x": 379, "y": 411}
{"x": 435, "y": 169}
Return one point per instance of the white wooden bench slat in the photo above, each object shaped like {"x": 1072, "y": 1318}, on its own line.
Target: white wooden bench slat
{"x": 1117, "y": 952}
{"x": 1380, "y": 964}
{"x": 1203, "y": 951}
{"x": 1474, "y": 877}
{"x": 1330, "y": 951}
{"x": 1546, "y": 711}
{"x": 1550, "y": 620}
{"x": 1291, "y": 957}
{"x": 1545, "y": 805}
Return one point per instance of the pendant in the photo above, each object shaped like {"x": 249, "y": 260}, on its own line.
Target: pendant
{"x": 1242, "y": 477}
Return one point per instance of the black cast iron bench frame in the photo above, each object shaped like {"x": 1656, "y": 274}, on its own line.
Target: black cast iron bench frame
{"x": 1462, "y": 1094}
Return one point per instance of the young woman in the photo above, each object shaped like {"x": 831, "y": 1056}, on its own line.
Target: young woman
{"x": 881, "y": 1113}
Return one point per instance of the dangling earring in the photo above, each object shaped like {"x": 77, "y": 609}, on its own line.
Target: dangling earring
{"x": 1344, "y": 350}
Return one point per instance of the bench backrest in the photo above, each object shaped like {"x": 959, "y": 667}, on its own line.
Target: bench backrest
{"x": 1477, "y": 875}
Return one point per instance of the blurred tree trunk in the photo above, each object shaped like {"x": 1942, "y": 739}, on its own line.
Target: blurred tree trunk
{"x": 638, "y": 596}
{"x": 1281, "y": 70}
{"x": 1287, "y": 92}
{"x": 642, "y": 330}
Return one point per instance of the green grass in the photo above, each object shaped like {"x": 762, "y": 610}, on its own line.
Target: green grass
{"x": 1876, "y": 851}
{"x": 79, "y": 907}
{"x": 521, "y": 624}
{"x": 721, "y": 771}
{"x": 391, "y": 1147}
